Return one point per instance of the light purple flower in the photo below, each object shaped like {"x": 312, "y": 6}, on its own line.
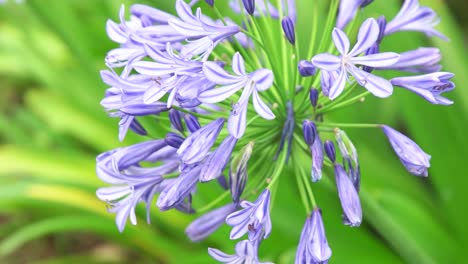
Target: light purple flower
{"x": 348, "y": 10}
{"x": 350, "y": 203}
{"x": 214, "y": 165}
{"x": 208, "y": 223}
{"x": 204, "y": 34}
{"x": 313, "y": 246}
{"x": 423, "y": 60}
{"x": 346, "y": 63}
{"x": 132, "y": 183}
{"x": 415, "y": 160}
{"x": 178, "y": 190}
{"x": 254, "y": 218}
{"x": 196, "y": 146}
{"x": 429, "y": 86}
{"x": 246, "y": 252}
{"x": 253, "y": 83}
{"x": 413, "y": 17}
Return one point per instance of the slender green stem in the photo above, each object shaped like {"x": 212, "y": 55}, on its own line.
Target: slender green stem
{"x": 350, "y": 101}
{"x": 213, "y": 203}
{"x": 349, "y": 125}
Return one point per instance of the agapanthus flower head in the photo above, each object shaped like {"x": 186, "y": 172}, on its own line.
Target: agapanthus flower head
{"x": 189, "y": 74}
{"x": 415, "y": 160}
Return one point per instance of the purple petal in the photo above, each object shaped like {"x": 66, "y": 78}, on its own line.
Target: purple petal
{"x": 368, "y": 35}
{"x": 327, "y": 62}
{"x": 261, "y": 108}
{"x": 341, "y": 41}
{"x": 377, "y": 60}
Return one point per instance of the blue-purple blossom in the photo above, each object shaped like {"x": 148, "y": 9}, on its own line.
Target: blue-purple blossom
{"x": 413, "y": 17}
{"x": 132, "y": 184}
{"x": 249, "y": 6}
{"x": 178, "y": 190}
{"x": 313, "y": 245}
{"x": 415, "y": 160}
{"x": 252, "y": 84}
{"x": 350, "y": 203}
{"x": 174, "y": 140}
{"x": 214, "y": 165}
{"x": 289, "y": 29}
{"x": 196, "y": 146}
{"x": 253, "y": 219}
{"x": 346, "y": 63}
{"x": 210, "y": 2}
{"x": 208, "y": 223}
{"x": 306, "y": 68}
{"x": 348, "y": 10}
{"x": 176, "y": 120}
{"x": 246, "y": 252}
{"x": 421, "y": 60}
{"x": 429, "y": 86}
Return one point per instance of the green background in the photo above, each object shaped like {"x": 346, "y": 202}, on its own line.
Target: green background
{"x": 52, "y": 127}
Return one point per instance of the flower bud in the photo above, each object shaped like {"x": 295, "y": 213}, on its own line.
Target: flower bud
{"x": 191, "y": 122}
{"x": 174, "y": 140}
{"x": 289, "y": 29}
{"x": 313, "y": 96}
{"x": 306, "y": 68}
{"x": 249, "y": 5}
{"x": 330, "y": 150}
{"x": 310, "y": 131}
{"x": 210, "y": 2}
{"x": 238, "y": 171}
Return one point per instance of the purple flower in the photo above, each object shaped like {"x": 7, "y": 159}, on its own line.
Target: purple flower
{"x": 214, "y": 165}
{"x": 413, "y": 17}
{"x": 423, "y": 60}
{"x": 253, "y": 83}
{"x": 317, "y": 158}
{"x": 288, "y": 28}
{"x": 196, "y": 146}
{"x": 313, "y": 246}
{"x": 208, "y": 223}
{"x": 246, "y": 252}
{"x": 254, "y": 218}
{"x": 348, "y": 10}
{"x": 306, "y": 68}
{"x": 210, "y": 2}
{"x": 352, "y": 212}
{"x": 178, "y": 190}
{"x": 429, "y": 86}
{"x": 132, "y": 183}
{"x": 204, "y": 33}
{"x": 238, "y": 172}
{"x": 415, "y": 160}
{"x": 346, "y": 63}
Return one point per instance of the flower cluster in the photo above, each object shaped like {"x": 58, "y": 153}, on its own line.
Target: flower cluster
{"x": 196, "y": 75}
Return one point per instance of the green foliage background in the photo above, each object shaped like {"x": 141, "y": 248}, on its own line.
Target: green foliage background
{"x": 52, "y": 127}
